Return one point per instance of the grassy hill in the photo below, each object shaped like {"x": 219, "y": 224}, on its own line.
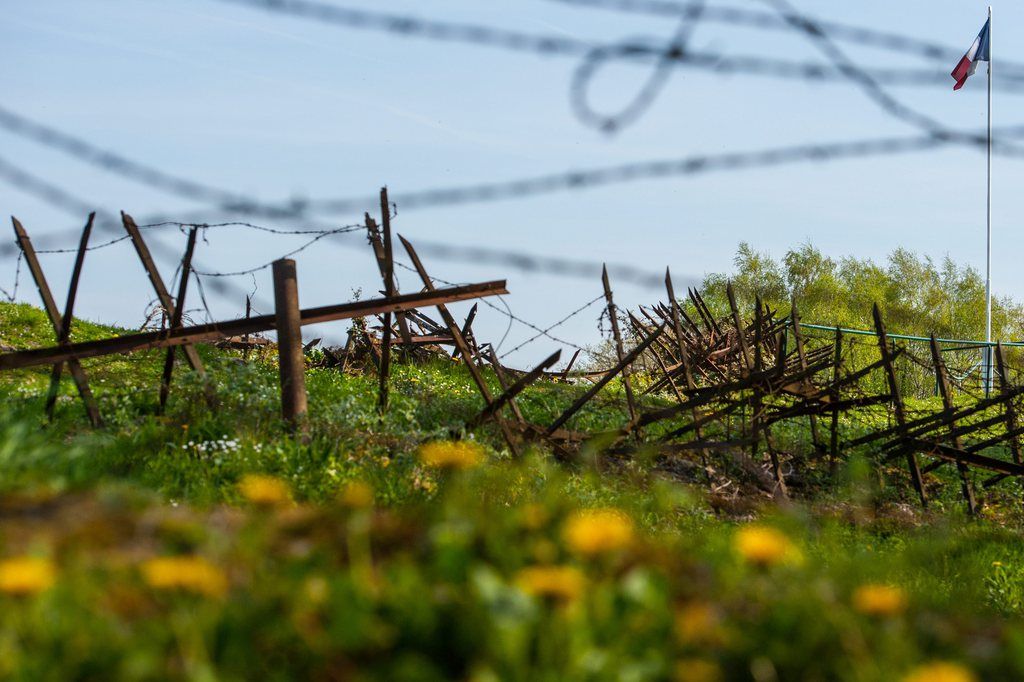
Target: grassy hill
{"x": 207, "y": 543}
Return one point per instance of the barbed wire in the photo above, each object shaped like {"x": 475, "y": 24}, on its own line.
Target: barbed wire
{"x": 321, "y": 235}
{"x": 882, "y": 98}
{"x": 649, "y": 90}
{"x": 507, "y": 312}
{"x": 139, "y": 172}
{"x": 64, "y": 200}
{"x": 869, "y": 37}
{"x": 13, "y": 293}
{"x": 544, "y": 332}
{"x": 638, "y": 50}
{"x": 574, "y": 180}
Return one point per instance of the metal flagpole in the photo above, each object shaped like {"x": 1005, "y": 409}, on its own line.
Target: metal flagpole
{"x": 988, "y": 253}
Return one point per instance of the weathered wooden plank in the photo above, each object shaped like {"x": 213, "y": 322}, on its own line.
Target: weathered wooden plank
{"x": 218, "y": 330}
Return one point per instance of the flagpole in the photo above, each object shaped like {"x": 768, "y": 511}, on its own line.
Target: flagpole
{"x": 988, "y": 249}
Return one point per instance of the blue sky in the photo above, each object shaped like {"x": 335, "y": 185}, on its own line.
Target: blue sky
{"x": 280, "y": 107}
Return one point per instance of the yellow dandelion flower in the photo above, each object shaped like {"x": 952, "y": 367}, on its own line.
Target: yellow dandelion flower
{"x": 698, "y": 624}
{"x": 564, "y": 583}
{"x": 764, "y": 546}
{"x": 451, "y": 454}
{"x": 23, "y": 576}
{"x": 941, "y": 671}
{"x": 697, "y": 670}
{"x": 598, "y": 531}
{"x": 264, "y": 490}
{"x": 357, "y": 495}
{"x": 186, "y": 573}
{"x": 879, "y": 600}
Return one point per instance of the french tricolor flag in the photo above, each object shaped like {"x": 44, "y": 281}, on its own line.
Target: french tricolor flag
{"x": 980, "y": 52}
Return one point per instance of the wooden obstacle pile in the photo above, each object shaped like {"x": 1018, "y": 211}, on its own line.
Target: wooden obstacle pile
{"x": 286, "y": 321}
{"x": 709, "y": 389}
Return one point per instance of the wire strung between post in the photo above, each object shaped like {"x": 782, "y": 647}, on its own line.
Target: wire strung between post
{"x": 544, "y": 332}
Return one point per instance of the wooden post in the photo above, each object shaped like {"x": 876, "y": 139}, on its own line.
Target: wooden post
{"x": 741, "y": 331}
{"x": 837, "y": 365}
{"x": 380, "y": 249}
{"x": 942, "y": 380}
{"x": 897, "y": 401}
{"x": 1011, "y": 411}
{"x": 467, "y": 329}
{"x": 619, "y": 348}
{"x": 64, "y": 335}
{"x": 757, "y": 424}
{"x": 176, "y": 317}
{"x": 245, "y": 339}
{"x": 802, "y": 355}
{"x": 568, "y": 367}
{"x": 74, "y": 366}
{"x": 684, "y": 360}
{"x": 289, "y": 344}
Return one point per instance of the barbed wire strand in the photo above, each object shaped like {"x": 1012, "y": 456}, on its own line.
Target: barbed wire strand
{"x": 549, "y": 45}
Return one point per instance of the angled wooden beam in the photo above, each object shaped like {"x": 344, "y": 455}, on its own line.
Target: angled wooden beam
{"x": 603, "y": 381}
{"x": 499, "y": 372}
{"x": 74, "y": 367}
{"x": 897, "y": 401}
{"x": 176, "y": 317}
{"x": 226, "y": 329}
{"x": 69, "y": 309}
{"x": 460, "y": 342}
{"x": 515, "y": 389}
{"x": 613, "y": 317}
{"x": 158, "y": 285}
{"x": 942, "y": 379}
{"x": 794, "y": 316}
{"x": 467, "y": 328}
{"x": 741, "y": 331}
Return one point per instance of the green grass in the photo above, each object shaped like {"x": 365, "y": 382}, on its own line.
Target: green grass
{"x": 428, "y": 583}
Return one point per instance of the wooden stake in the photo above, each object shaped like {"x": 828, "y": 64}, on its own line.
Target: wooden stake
{"x": 158, "y": 286}
{"x": 897, "y": 401}
{"x": 289, "y": 345}
{"x": 176, "y": 317}
{"x": 802, "y": 355}
{"x": 947, "y": 403}
{"x": 65, "y": 328}
{"x": 245, "y": 339}
{"x": 741, "y": 331}
{"x": 460, "y": 343}
{"x": 503, "y": 381}
{"x": 757, "y": 425}
{"x": 74, "y": 366}
{"x": 603, "y": 381}
{"x": 619, "y": 348}
{"x": 837, "y": 365}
